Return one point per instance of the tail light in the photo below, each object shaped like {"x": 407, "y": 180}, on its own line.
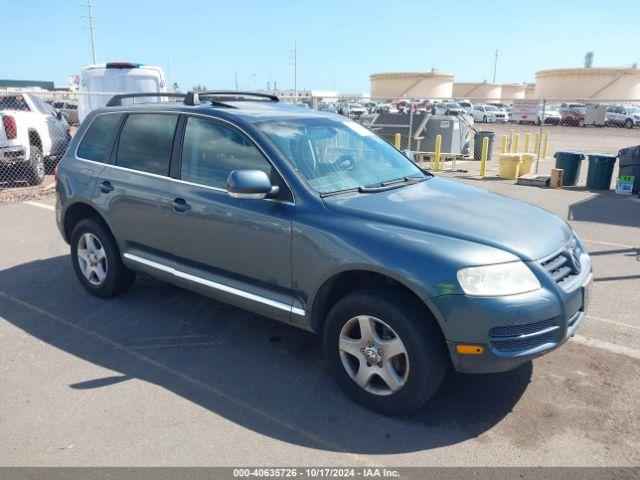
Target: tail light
{"x": 10, "y": 128}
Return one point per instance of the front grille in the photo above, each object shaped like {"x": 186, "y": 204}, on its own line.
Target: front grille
{"x": 565, "y": 266}
{"x": 521, "y": 338}
{"x": 524, "y": 344}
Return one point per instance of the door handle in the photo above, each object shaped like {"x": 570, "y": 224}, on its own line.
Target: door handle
{"x": 106, "y": 187}
{"x": 180, "y": 205}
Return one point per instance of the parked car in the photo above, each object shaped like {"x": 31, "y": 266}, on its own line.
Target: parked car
{"x": 467, "y": 107}
{"x": 621, "y": 115}
{"x": 450, "y": 108}
{"x": 327, "y": 107}
{"x": 551, "y": 114}
{"x": 351, "y": 110}
{"x": 572, "y": 114}
{"x": 370, "y": 106}
{"x": 386, "y": 108}
{"x": 32, "y": 137}
{"x": 313, "y": 220}
{"x": 117, "y": 77}
{"x": 488, "y": 114}
{"x": 69, "y": 111}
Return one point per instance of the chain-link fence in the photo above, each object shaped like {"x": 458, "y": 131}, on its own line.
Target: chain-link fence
{"x": 37, "y": 126}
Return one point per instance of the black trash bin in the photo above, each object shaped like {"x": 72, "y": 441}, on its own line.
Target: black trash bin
{"x": 600, "y": 171}
{"x": 569, "y": 162}
{"x": 630, "y": 165}
{"x": 477, "y": 144}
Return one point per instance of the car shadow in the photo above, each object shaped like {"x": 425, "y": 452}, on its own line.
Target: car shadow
{"x": 606, "y": 207}
{"x": 266, "y": 376}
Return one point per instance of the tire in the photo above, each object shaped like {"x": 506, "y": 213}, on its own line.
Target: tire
{"x": 484, "y": 119}
{"x": 109, "y": 274}
{"x": 628, "y": 123}
{"x": 419, "y": 370}
{"x": 36, "y": 166}
{"x": 581, "y": 123}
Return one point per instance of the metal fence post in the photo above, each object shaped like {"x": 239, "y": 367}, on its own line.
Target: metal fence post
{"x": 544, "y": 104}
{"x": 485, "y": 154}
{"x": 436, "y": 155}
{"x": 410, "y": 126}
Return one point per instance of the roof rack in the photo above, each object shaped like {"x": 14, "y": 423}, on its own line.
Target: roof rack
{"x": 116, "y": 100}
{"x": 193, "y": 98}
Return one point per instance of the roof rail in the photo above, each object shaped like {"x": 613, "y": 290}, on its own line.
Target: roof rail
{"x": 193, "y": 98}
{"x": 116, "y": 100}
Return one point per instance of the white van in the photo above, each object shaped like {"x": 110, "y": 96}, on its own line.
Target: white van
{"x": 98, "y": 83}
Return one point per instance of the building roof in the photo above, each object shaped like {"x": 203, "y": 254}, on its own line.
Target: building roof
{"x": 45, "y": 84}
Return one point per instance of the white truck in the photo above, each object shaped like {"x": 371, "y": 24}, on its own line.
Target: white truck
{"x": 32, "y": 137}
{"x": 98, "y": 83}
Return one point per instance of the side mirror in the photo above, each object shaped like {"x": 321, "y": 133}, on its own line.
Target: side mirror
{"x": 409, "y": 154}
{"x": 250, "y": 184}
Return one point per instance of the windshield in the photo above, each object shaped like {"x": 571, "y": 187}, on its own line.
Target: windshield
{"x": 491, "y": 108}
{"x": 453, "y": 105}
{"x": 334, "y": 155}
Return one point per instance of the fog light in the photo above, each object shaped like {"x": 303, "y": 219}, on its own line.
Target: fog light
{"x": 469, "y": 349}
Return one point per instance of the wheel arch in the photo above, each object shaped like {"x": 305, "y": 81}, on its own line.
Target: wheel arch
{"x": 77, "y": 212}
{"x": 345, "y": 281}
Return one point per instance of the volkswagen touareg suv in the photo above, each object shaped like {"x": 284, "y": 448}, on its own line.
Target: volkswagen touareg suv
{"x": 311, "y": 219}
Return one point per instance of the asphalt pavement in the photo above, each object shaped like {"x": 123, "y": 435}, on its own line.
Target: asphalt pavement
{"x": 162, "y": 376}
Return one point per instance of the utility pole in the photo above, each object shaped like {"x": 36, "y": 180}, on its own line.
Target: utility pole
{"x": 237, "y": 82}
{"x": 93, "y": 37}
{"x": 295, "y": 72}
{"x": 495, "y": 66}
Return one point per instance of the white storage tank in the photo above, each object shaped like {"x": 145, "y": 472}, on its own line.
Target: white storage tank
{"x": 480, "y": 90}
{"x": 411, "y": 85}
{"x": 589, "y": 83}
{"x": 512, "y": 91}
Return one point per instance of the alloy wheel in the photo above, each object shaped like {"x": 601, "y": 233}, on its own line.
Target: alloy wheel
{"x": 92, "y": 259}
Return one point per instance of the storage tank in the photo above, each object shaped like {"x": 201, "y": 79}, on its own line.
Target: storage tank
{"x": 480, "y": 90}
{"x": 530, "y": 90}
{"x": 589, "y": 83}
{"x": 513, "y": 90}
{"x": 411, "y": 85}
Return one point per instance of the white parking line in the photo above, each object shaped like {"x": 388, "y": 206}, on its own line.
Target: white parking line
{"x": 613, "y": 322}
{"x": 609, "y": 244}
{"x": 40, "y": 205}
{"x": 609, "y": 347}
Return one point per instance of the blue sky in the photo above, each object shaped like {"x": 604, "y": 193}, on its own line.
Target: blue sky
{"x": 339, "y": 42}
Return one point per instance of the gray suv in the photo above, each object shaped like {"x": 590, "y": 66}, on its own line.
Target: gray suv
{"x": 311, "y": 219}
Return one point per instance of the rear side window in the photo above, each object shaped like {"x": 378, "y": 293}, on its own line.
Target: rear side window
{"x": 211, "y": 151}
{"x": 96, "y": 143}
{"x": 145, "y": 142}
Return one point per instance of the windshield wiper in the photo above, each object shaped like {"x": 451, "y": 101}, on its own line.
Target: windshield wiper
{"x": 338, "y": 192}
{"x": 391, "y": 184}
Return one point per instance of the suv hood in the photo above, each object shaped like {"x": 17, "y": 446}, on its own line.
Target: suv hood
{"x": 456, "y": 210}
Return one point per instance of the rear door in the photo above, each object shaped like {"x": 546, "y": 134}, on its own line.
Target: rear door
{"x": 134, "y": 190}
{"x": 238, "y": 250}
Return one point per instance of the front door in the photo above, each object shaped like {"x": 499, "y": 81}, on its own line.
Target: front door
{"x": 238, "y": 250}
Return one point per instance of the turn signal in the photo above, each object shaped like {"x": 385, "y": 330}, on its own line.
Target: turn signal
{"x": 469, "y": 349}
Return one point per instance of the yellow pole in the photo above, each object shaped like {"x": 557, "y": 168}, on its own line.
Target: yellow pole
{"x": 536, "y": 142}
{"x": 545, "y": 144}
{"x": 515, "y": 146}
{"x": 436, "y": 156}
{"x": 396, "y": 141}
{"x": 527, "y": 142}
{"x": 503, "y": 146}
{"x": 485, "y": 154}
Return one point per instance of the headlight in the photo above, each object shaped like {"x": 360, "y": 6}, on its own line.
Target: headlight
{"x": 500, "y": 279}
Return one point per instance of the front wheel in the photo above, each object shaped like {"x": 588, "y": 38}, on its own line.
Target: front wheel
{"x": 387, "y": 352}
{"x": 35, "y": 169}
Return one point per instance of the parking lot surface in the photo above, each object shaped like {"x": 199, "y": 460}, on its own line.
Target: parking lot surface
{"x": 162, "y": 376}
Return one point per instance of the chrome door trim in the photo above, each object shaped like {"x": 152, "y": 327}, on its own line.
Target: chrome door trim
{"x": 215, "y": 285}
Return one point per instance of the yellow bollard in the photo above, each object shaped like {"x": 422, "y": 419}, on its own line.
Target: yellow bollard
{"x": 485, "y": 154}
{"x": 511, "y": 134}
{"x": 527, "y": 142}
{"x": 545, "y": 144}
{"x": 503, "y": 146}
{"x": 436, "y": 155}
{"x": 396, "y": 141}
{"x": 515, "y": 146}
{"x": 536, "y": 142}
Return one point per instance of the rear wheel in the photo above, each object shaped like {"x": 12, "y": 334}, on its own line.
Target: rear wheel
{"x": 96, "y": 260}
{"x": 387, "y": 353}
{"x": 35, "y": 168}
{"x": 628, "y": 123}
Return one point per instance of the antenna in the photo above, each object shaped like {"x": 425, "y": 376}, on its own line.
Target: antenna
{"x": 237, "y": 81}
{"x": 93, "y": 37}
{"x": 495, "y": 66}
{"x": 294, "y": 60}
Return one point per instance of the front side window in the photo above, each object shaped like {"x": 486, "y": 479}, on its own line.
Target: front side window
{"x": 41, "y": 105}
{"x": 211, "y": 151}
{"x": 96, "y": 143}
{"x": 334, "y": 155}
{"x": 146, "y": 141}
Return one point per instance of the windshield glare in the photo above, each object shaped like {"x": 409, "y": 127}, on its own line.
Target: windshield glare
{"x": 334, "y": 155}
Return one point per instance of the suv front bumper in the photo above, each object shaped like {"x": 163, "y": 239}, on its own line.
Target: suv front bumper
{"x": 514, "y": 329}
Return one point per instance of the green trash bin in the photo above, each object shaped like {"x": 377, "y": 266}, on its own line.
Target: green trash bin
{"x": 569, "y": 162}
{"x": 600, "y": 171}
